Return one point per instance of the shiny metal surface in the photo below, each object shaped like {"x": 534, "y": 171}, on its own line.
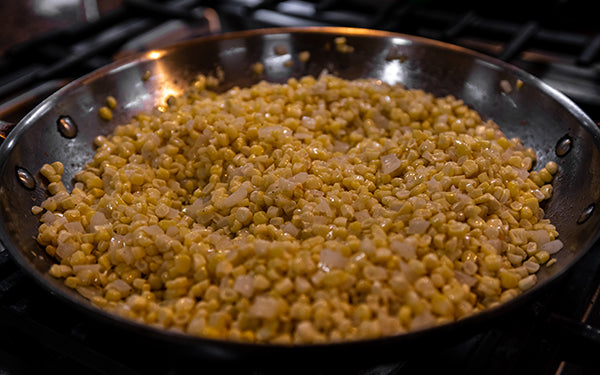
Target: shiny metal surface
{"x": 536, "y": 113}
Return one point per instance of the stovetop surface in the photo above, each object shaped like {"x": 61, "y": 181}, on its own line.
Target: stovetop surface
{"x": 558, "y": 42}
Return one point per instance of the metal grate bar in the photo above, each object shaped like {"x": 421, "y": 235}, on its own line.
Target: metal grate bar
{"x": 591, "y": 52}
{"x": 521, "y": 40}
{"x": 461, "y": 26}
{"x": 77, "y": 47}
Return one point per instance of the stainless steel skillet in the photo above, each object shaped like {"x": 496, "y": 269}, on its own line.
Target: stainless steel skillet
{"x": 63, "y": 127}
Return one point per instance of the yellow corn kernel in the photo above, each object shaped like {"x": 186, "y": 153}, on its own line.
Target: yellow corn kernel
{"x": 508, "y": 279}
{"x": 111, "y": 102}
{"x": 545, "y": 175}
{"x": 105, "y": 113}
{"x": 551, "y": 167}
{"x": 493, "y": 262}
{"x": 542, "y": 256}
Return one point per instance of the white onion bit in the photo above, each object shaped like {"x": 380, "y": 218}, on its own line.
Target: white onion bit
{"x": 418, "y": 226}
{"x": 539, "y": 236}
{"x": 119, "y": 285}
{"x": 308, "y": 122}
{"x": 236, "y": 197}
{"x": 267, "y": 131}
{"x": 74, "y": 227}
{"x": 244, "y": 285}
{"x": 97, "y": 219}
{"x": 406, "y": 249}
{"x": 390, "y": 163}
{"x": 506, "y": 86}
{"x": 553, "y": 247}
{"x": 264, "y": 307}
{"x": 332, "y": 259}
{"x": 463, "y": 278}
{"x": 65, "y": 249}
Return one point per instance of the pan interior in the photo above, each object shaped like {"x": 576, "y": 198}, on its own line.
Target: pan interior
{"x": 537, "y": 114}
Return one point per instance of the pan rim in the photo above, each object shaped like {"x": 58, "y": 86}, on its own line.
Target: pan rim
{"x": 17, "y": 255}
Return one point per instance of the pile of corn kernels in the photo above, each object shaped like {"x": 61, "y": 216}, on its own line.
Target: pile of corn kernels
{"x": 319, "y": 210}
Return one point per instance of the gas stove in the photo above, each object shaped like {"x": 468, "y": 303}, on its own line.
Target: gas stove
{"x": 559, "y": 42}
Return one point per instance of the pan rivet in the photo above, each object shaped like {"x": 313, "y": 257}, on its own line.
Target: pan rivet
{"x": 586, "y": 214}
{"x": 25, "y": 178}
{"x": 563, "y": 146}
{"x": 66, "y": 126}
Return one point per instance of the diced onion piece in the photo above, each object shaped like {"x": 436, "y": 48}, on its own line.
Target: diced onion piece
{"x": 539, "y": 236}
{"x": 86, "y": 267}
{"x": 125, "y": 254}
{"x": 244, "y": 285}
{"x": 506, "y": 155}
{"x": 523, "y": 173}
{"x": 89, "y": 292}
{"x": 463, "y": 278}
{"x": 193, "y": 209}
{"x": 236, "y": 197}
{"x": 300, "y": 178}
{"x": 264, "y": 307}
{"x": 290, "y": 228}
{"x": 308, "y": 122}
{"x": 74, "y": 227}
{"x": 418, "y": 226}
{"x": 390, "y": 163}
{"x": 97, "y": 219}
{"x": 267, "y": 131}
{"x": 423, "y": 320}
{"x": 319, "y": 219}
{"x": 65, "y": 249}
{"x": 153, "y": 230}
{"x": 406, "y": 249}
{"x": 506, "y": 86}
{"x": 332, "y": 259}
{"x": 302, "y": 135}
{"x": 283, "y": 185}
{"x": 119, "y": 285}
{"x": 362, "y": 215}
{"x": 323, "y": 206}
{"x": 339, "y": 146}
{"x": 375, "y": 272}
{"x": 552, "y": 247}
{"x": 434, "y": 185}
{"x": 48, "y": 217}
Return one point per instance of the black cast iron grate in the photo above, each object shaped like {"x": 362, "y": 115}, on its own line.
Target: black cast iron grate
{"x": 558, "y": 41}
{"x": 33, "y": 70}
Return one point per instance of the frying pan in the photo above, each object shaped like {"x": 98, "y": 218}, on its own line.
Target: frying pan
{"x": 64, "y": 125}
